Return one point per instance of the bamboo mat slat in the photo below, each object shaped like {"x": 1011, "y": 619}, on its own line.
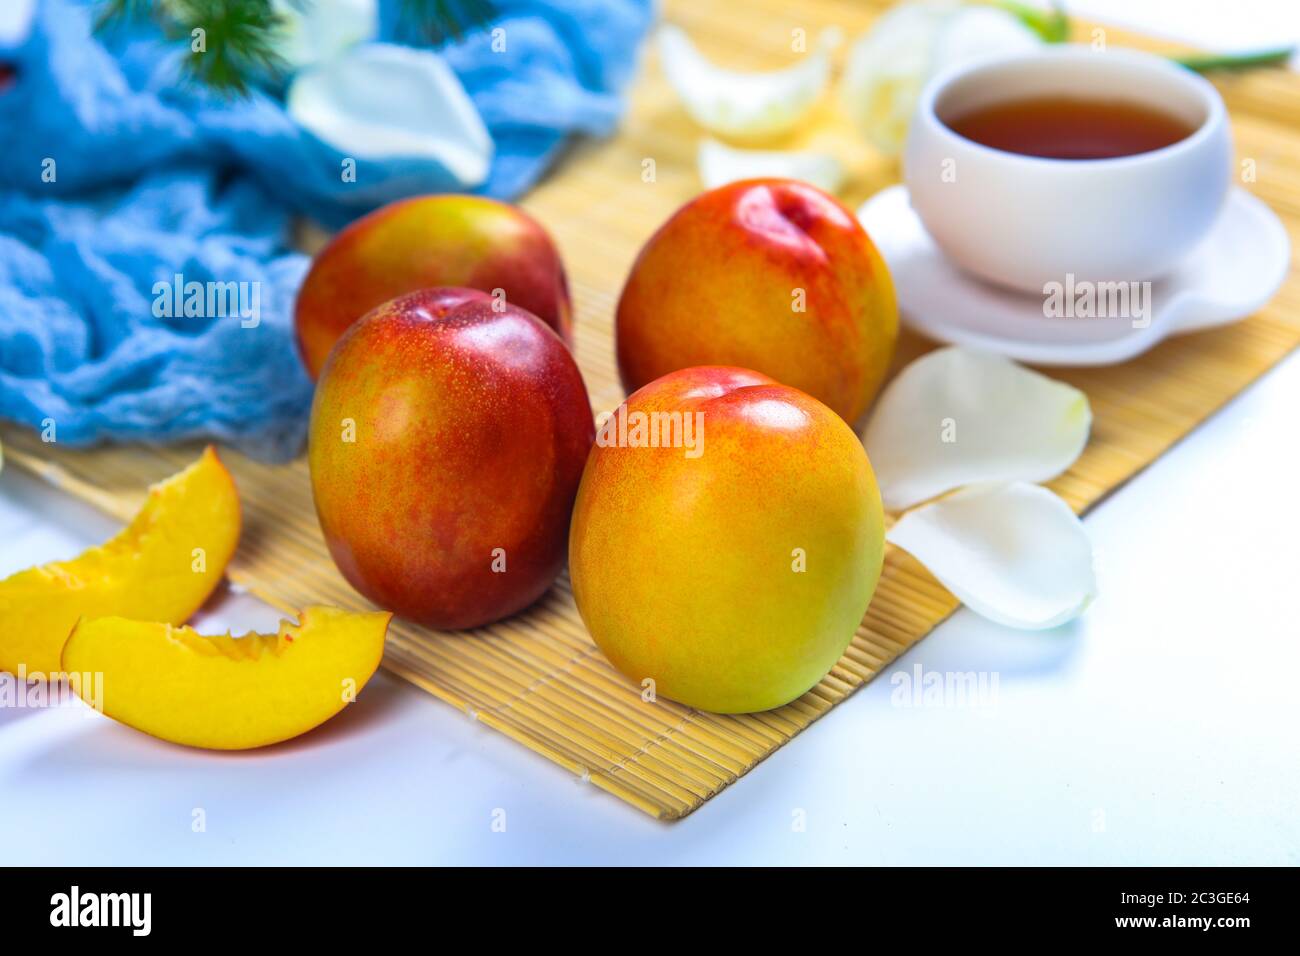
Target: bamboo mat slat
{"x": 538, "y": 678}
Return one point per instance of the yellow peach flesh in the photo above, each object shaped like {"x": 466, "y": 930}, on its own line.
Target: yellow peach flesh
{"x": 162, "y": 567}
{"x": 223, "y": 692}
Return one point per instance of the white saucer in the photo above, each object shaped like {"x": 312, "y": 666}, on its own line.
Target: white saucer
{"x": 1231, "y": 274}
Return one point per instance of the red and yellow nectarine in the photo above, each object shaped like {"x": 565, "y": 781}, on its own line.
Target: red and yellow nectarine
{"x": 769, "y": 274}
{"x": 732, "y": 567}
{"x": 448, "y": 436}
{"x": 422, "y": 243}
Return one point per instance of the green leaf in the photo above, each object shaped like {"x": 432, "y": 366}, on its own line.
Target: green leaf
{"x": 1236, "y": 61}
{"x": 1052, "y": 25}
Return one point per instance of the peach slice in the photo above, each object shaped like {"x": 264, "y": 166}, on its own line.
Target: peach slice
{"x": 162, "y": 567}
{"x": 224, "y": 692}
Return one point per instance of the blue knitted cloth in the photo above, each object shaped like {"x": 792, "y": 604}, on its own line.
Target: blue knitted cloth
{"x": 146, "y": 278}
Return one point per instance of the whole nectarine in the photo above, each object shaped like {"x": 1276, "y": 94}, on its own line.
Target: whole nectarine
{"x": 422, "y": 243}
{"x": 726, "y": 539}
{"x": 769, "y": 274}
{"x": 448, "y": 436}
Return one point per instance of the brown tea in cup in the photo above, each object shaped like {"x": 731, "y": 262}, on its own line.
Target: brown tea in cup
{"x": 1067, "y": 127}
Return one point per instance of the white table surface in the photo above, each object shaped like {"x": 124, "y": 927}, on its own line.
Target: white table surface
{"x": 1161, "y": 728}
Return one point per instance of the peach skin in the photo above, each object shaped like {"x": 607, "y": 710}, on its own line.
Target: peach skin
{"x": 731, "y": 567}
{"x": 768, "y": 274}
{"x": 422, "y": 243}
{"x": 447, "y": 439}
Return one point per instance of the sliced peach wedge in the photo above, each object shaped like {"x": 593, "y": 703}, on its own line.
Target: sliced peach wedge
{"x": 224, "y": 692}
{"x": 162, "y": 567}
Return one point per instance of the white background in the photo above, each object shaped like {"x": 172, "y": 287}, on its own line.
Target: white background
{"x": 1160, "y": 728}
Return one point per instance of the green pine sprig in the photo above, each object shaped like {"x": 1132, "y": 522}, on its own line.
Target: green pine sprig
{"x": 441, "y": 21}
{"x": 232, "y": 43}
{"x": 239, "y": 43}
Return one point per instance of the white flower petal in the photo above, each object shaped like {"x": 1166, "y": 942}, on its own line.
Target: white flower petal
{"x": 956, "y": 416}
{"x": 320, "y": 30}
{"x": 891, "y": 63}
{"x": 381, "y": 101}
{"x": 887, "y": 68}
{"x": 721, "y": 164}
{"x": 16, "y": 21}
{"x": 1013, "y": 553}
{"x": 744, "y": 105}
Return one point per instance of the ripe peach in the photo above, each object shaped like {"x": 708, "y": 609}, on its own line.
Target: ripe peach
{"x": 768, "y": 274}
{"x": 422, "y": 243}
{"x": 447, "y": 439}
{"x": 731, "y": 567}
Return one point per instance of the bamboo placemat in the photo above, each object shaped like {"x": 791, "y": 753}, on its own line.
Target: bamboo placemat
{"x": 537, "y": 677}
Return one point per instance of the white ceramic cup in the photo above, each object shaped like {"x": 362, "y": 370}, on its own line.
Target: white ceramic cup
{"x": 1025, "y": 221}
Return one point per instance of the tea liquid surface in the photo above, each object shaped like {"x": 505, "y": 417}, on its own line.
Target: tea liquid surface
{"x": 1063, "y": 127}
